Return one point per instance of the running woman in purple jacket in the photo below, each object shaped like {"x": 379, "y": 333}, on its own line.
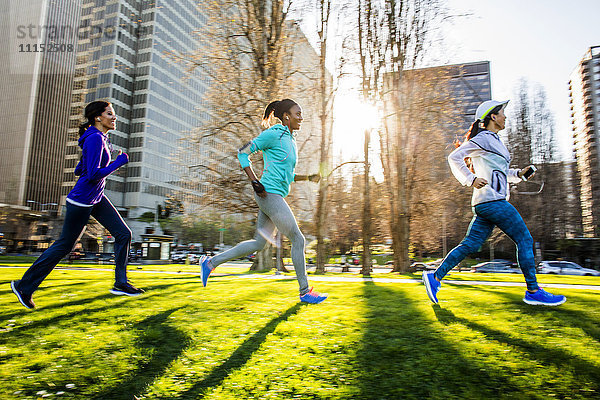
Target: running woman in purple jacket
{"x": 84, "y": 200}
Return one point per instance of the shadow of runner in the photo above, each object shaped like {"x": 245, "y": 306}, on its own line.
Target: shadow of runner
{"x": 575, "y": 318}
{"x": 165, "y": 343}
{"x": 404, "y": 355}
{"x": 543, "y": 354}
{"x": 105, "y": 295}
{"x": 5, "y": 286}
{"x": 75, "y": 315}
{"x": 238, "y": 358}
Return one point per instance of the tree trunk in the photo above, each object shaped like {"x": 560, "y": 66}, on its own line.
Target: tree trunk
{"x": 321, "y": 216}
{"x": 367, "y": 262}
{"x": 324, "y": 8}
{"x": 263, "y": 260}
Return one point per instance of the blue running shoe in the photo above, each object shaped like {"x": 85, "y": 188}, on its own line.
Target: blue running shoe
{"x": 313, "y": 297}
{"x": 543, "y": 298}
{"x": 205, "y": 269}
{"x": 432, "y": 286}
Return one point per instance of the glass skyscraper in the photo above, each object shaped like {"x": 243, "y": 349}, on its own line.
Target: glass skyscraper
{"x": 122, "y": 57}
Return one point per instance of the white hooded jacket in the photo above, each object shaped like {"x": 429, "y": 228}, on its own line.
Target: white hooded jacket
{"x": 490, "y": 159}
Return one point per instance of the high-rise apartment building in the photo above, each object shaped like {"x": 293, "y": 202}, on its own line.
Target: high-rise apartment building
{"x": 122, "y": 57}
{"x": 584, "y": 91}
{"x": 36, "y": 75}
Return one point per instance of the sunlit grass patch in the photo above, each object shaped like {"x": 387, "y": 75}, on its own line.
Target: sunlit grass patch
{"x": 251, "y": 338}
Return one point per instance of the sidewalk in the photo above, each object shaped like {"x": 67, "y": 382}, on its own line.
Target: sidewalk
{"x": 318, "y": 278}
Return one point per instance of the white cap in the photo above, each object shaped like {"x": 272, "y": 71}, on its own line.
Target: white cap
{"x": 484, "y": 108}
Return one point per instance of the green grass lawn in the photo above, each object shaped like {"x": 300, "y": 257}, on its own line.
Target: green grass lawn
{"x": 251, "y": 339}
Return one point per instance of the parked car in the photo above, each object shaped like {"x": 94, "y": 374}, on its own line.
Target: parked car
{"x": 495, "y": 266}
{"x": 194, "y": 258}
{"x": 178, "y": 257}
{"x": 105, "y": 257}
{"x": 422, "y": 266}
{"x": 565, "y": 268}
{"x": 75, "y": 255}
{"x": 351, "y": 259}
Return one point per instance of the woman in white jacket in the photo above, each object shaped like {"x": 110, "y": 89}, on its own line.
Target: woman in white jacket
{"x": 482, "y": 162}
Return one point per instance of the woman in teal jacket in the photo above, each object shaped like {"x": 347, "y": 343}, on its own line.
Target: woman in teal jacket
{"x": 280, "y": 154}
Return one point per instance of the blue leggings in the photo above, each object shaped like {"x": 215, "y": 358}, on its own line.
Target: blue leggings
{"x": 502, "y": 214}
{"x": 76, "y": 218}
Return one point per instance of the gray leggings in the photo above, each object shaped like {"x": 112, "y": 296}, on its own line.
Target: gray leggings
{"x": 274, "y": 213}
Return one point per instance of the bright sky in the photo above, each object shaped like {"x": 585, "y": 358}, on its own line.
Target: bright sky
{"x": 540, "y": 40}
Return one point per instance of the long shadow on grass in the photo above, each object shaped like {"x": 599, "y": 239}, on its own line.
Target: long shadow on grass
{"x": 59, "y": 304}
{"x": 5, "y": 285}
{"x": 69, "y": 314}
{"x": 404, "y": 356}
{"x": 545, "y": 355}
{"x": 568, "y": 317}
{"x": 164, "y": 342}
{"x": 238, "y": 358}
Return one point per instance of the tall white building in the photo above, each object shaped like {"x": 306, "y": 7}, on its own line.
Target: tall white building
{"x": 584, "y": 91}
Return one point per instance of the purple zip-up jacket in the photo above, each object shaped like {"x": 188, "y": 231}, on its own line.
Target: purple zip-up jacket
{"x": 93, "y": 168}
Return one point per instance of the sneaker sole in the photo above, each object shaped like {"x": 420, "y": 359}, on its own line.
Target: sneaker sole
{"x": 540, "y": 303}
{"x": 16, "y": 292}
{"x": 428, "y": 290}
{"x": 313, "y": 302}
{"x": 119, "y": 293}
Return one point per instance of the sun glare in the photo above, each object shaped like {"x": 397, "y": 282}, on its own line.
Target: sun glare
{"x": 351, "y": 117}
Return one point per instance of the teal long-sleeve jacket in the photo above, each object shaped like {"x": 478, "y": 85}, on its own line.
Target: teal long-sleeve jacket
{"x": 280, "y": 155}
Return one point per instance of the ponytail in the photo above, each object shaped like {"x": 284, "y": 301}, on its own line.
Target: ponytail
{"x": 274, "y": 112}
{"x": 473, "y": 130}
{"x": 269, "y": 118}
{"x": 83, "y": 127}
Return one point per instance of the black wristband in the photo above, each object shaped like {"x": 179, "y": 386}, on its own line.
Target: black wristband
{"x": 258, "y": 187}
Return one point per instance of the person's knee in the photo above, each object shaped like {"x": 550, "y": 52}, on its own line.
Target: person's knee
{"x": 124, "y": 235}
{"x": 469, "y": 246}
{"x": 259, "y": 243}
{"x": 298, "y": 239}
{"x": 526, "y": 241}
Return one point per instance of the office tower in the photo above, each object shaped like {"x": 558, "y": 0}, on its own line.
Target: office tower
{"x": 36, "y": 75}
{"x": 584, "y": 92}
{"x": 122, "y": 57}
{"x": 471, "y": 86}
